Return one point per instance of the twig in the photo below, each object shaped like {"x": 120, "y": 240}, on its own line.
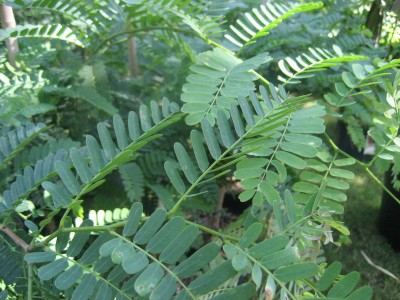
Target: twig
{"x": 132, "y": 57}
{"x": 8, "y": 21}
{"x": 370, "y": 262}
{"x": 218, "y": 208}
{"x": 16, "y": 239}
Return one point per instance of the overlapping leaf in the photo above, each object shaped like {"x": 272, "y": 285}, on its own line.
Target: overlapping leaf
{"x": 56, "y": 31}
{"x": 257, "y": 129}
{"x": 288, "y": 144}
{"x": 31, "y": 178}
{"x": 261, "y": 21}
{"x": 217, "y": 79}
{"x": 316, "y": 60}
{"x": 147, "y": 261}
{"x": 14, "y": 141}
{"x": 100, "y": 161}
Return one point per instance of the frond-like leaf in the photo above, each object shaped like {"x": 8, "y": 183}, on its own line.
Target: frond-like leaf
{"x": 56, "y": 31}
{"x": 316, "y": 60}
{"x": 10, "y": 259}
{"x": 103, "y": 159}
{"x": 128, "y": 266}
{"x": 217, "y": 79}
{"x": 261, "y": 21}
{"x": 265, "y": 135}
{"x": 14, "y": 141}
{"x": 31, "y": 179}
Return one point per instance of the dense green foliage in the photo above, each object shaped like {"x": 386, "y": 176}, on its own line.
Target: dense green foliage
{"x": 113, "y": 191}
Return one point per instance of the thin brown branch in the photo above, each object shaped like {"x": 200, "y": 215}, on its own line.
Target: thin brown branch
{"x": 8, "y": 21}
{"x": 132, "y": 57}
{"x": 15, "y": 238}
{"x": 218, "y": 208}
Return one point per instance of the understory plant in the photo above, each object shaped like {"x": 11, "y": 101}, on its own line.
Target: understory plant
{"x": 125, "y": 125}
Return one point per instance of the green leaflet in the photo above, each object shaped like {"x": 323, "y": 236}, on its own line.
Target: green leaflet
{"x": 173, "y": 174}
{"x": 147, "y": 231}
{"x": 185, "y": 163}
{"x": 85, "y": 288}
{"x": 92, "y": 253}
{"x": 297, "y": 271}
{"x": 291, "y": 160}
{"x": 63, "y": 238}
{"x": 345, "y": 285}
{"x": 60, "y": 198}
{"x": 52, "y": 269}
{"x": 250, "y": 235}
{"x": 132, "y": 223}
{"x": 67, "y": 177}
{"x": 144, "y": 116}
{"x": 281, "y": 258}
{"x": 97, "y": 158}
{"x": 211, "y": 139}
{"x": 256, "y": 275}
{"x": 133, "y": 125}
{"x": 81, "y": 167}
{"x": 240, "y": 292}
{"x": 165, "y": 289}
{"x": 106, "y": 141}
{"x": 179, "y": 245}
{"x": 225, "y": 130}
{"x": 68, "y": 278}
{"x": 197, "y": 260}
{"x": 135, "y": 263}
{"x": 91, "y": 96}
{"x": 104, "y": 292}
{"x": 39, "y": 257}
{"x": 290, "y": 207}
{"x": 121, "y": 253}
{"x": 269, "y": 246}
{"x": 199, "y": 150}
{"x": 213, "y": 278}
{"x": 240, "y": 261}
{"x": 79, "y": 239}
{"x": 341, "y": 173}
{"x": 247, "y": 110}
{"x": 117, "y": 275}
{"x": 237, "y": 120}
{"x": 270, "y": 193}
{"x": 299, "y": 149}
{"x": 330, "y": 274}
{"x": 361, "y": 294}
{"x": 164, "y": 236}
{"x": 148, "y": 280}
{"x": 120, "y": 132}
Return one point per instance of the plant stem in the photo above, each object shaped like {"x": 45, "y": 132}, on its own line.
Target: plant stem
{"x": 213, "y": 232}
{"x": 8, "y": 21}
{"x": 382, "y": 185}
{"x": 15, "y": 238}
{"x": 135, "y": 32}
{"x": 80, "y": 229}
{"x": 132, "y": 57}
{"x": 30, "y": 276}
